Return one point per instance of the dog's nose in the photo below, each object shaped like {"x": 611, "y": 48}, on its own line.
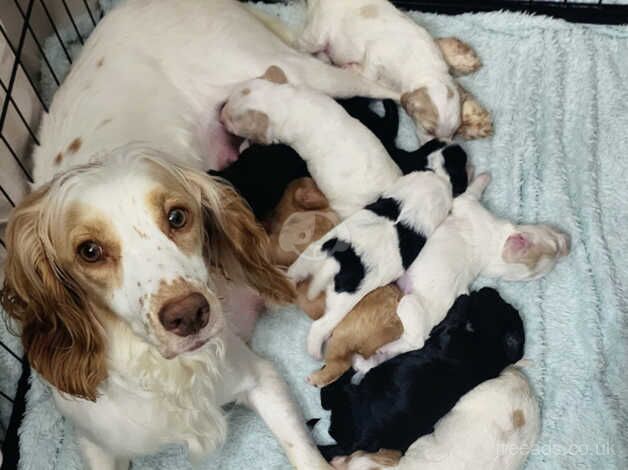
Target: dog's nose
{"x": 185, "y": 316}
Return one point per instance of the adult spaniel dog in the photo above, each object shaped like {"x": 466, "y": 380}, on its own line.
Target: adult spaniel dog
{"x": 127, "y": 264}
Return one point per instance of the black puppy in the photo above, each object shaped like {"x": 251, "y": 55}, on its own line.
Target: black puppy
{"x": 262, "y": 172}
{"x": 401, "y": 400}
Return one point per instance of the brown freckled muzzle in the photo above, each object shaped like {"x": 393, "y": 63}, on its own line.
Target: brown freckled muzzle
{"x": 185, "y": 316}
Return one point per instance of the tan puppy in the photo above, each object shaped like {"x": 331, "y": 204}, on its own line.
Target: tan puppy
{"x": 372, "y": 323}
{"x": 301, "y": 217}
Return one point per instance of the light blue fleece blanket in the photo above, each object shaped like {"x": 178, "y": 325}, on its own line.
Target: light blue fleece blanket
{"x": 559, "y": 96}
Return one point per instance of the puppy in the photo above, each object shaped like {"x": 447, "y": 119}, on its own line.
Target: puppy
{"x": 340, "y": 153}
{"x": 301, "y": 217}
{"x": 471, "y": 242}
{"x": 262, "y": 173}
{"x": 493, "y": 427}
{"x": 373, "y": 247}
{"x": 373, "y": 322}
{"x": 402, "y": 399}
{"x": 359, "y": 34}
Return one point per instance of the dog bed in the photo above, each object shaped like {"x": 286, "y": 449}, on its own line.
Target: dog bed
{"x": 559, "y": 96}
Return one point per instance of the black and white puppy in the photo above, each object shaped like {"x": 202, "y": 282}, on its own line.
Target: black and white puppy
{"x": 373, "y": 247}
{"x": 402, "y": 399}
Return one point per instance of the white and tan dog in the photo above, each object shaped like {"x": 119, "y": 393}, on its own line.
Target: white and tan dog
{"x": 119, "y": 269}
{"x": 492, "y": 427}
{"x": 383, "y": 44}
{"x": 471, "y": 242}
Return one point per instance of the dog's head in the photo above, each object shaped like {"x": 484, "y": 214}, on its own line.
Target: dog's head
{"x": 130, "y": 239}
{"x": 435, "y": 108}
{"x": 529, "y": 252}
{"x": 450, "y": 160}
{"x": 482, "y": 326}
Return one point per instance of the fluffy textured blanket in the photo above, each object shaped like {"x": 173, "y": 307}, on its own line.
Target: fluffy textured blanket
{"x": 559, "y": 95}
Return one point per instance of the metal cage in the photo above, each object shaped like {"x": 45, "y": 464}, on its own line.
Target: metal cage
{"x": 26, "y": 26}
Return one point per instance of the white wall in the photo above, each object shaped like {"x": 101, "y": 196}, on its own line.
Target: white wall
{"x": 12, "y": 178}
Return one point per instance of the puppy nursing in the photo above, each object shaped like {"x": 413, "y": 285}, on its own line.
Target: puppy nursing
{"x": 340, "y": 157}
{"x": 364, "y": 35}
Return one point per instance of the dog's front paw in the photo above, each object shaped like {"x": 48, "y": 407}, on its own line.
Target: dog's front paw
{"x": 317, "y": 378}
{"x": 476, "y": 121}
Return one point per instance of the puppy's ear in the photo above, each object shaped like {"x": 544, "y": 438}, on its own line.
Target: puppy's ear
{"x": 516, "y": 248}
{"x": 460, "y": 57}
{"x": 62, "y": 338}
{"x": 237, "y": 245}
{"x": 275, "y": 74}
{"x": 419, "y": 105}
{"x": 476, "y": 121}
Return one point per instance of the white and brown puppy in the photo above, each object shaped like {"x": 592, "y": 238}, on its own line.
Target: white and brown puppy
{"x": 372, "y": 248}
{"x": 493, "y": 427}
{"x": 364, "y": 35}
{"x": 348, "y": 162}
{"x": 471, "y": 242}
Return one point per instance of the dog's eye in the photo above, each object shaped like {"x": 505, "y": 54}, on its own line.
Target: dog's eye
{"x": 177, "y": 217}
{"x": 90, "y": 251}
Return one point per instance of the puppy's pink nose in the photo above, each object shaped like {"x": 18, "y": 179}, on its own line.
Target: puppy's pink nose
{"x": 186, "y": 316}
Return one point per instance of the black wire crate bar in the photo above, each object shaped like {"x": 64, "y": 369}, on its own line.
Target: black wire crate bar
{"x": 577, "y": 12}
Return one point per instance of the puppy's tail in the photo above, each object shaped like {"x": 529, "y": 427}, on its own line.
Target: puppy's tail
{"x": 282, "y": 30}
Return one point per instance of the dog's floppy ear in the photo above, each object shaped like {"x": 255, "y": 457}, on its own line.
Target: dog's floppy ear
{"x": 476, "y": 121}
{"x": 237, "y": 245}
{"x": 419, "y": 105}
{"x": 62, "y": 338}
{"x": 275, "y": 74}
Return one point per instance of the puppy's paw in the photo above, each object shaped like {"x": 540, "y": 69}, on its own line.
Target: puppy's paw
{"x": 476, "y": 121}
{"x": 315, "y": 341}
{"x": 460, "y": 57}
{"x": 317, "y": 378}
